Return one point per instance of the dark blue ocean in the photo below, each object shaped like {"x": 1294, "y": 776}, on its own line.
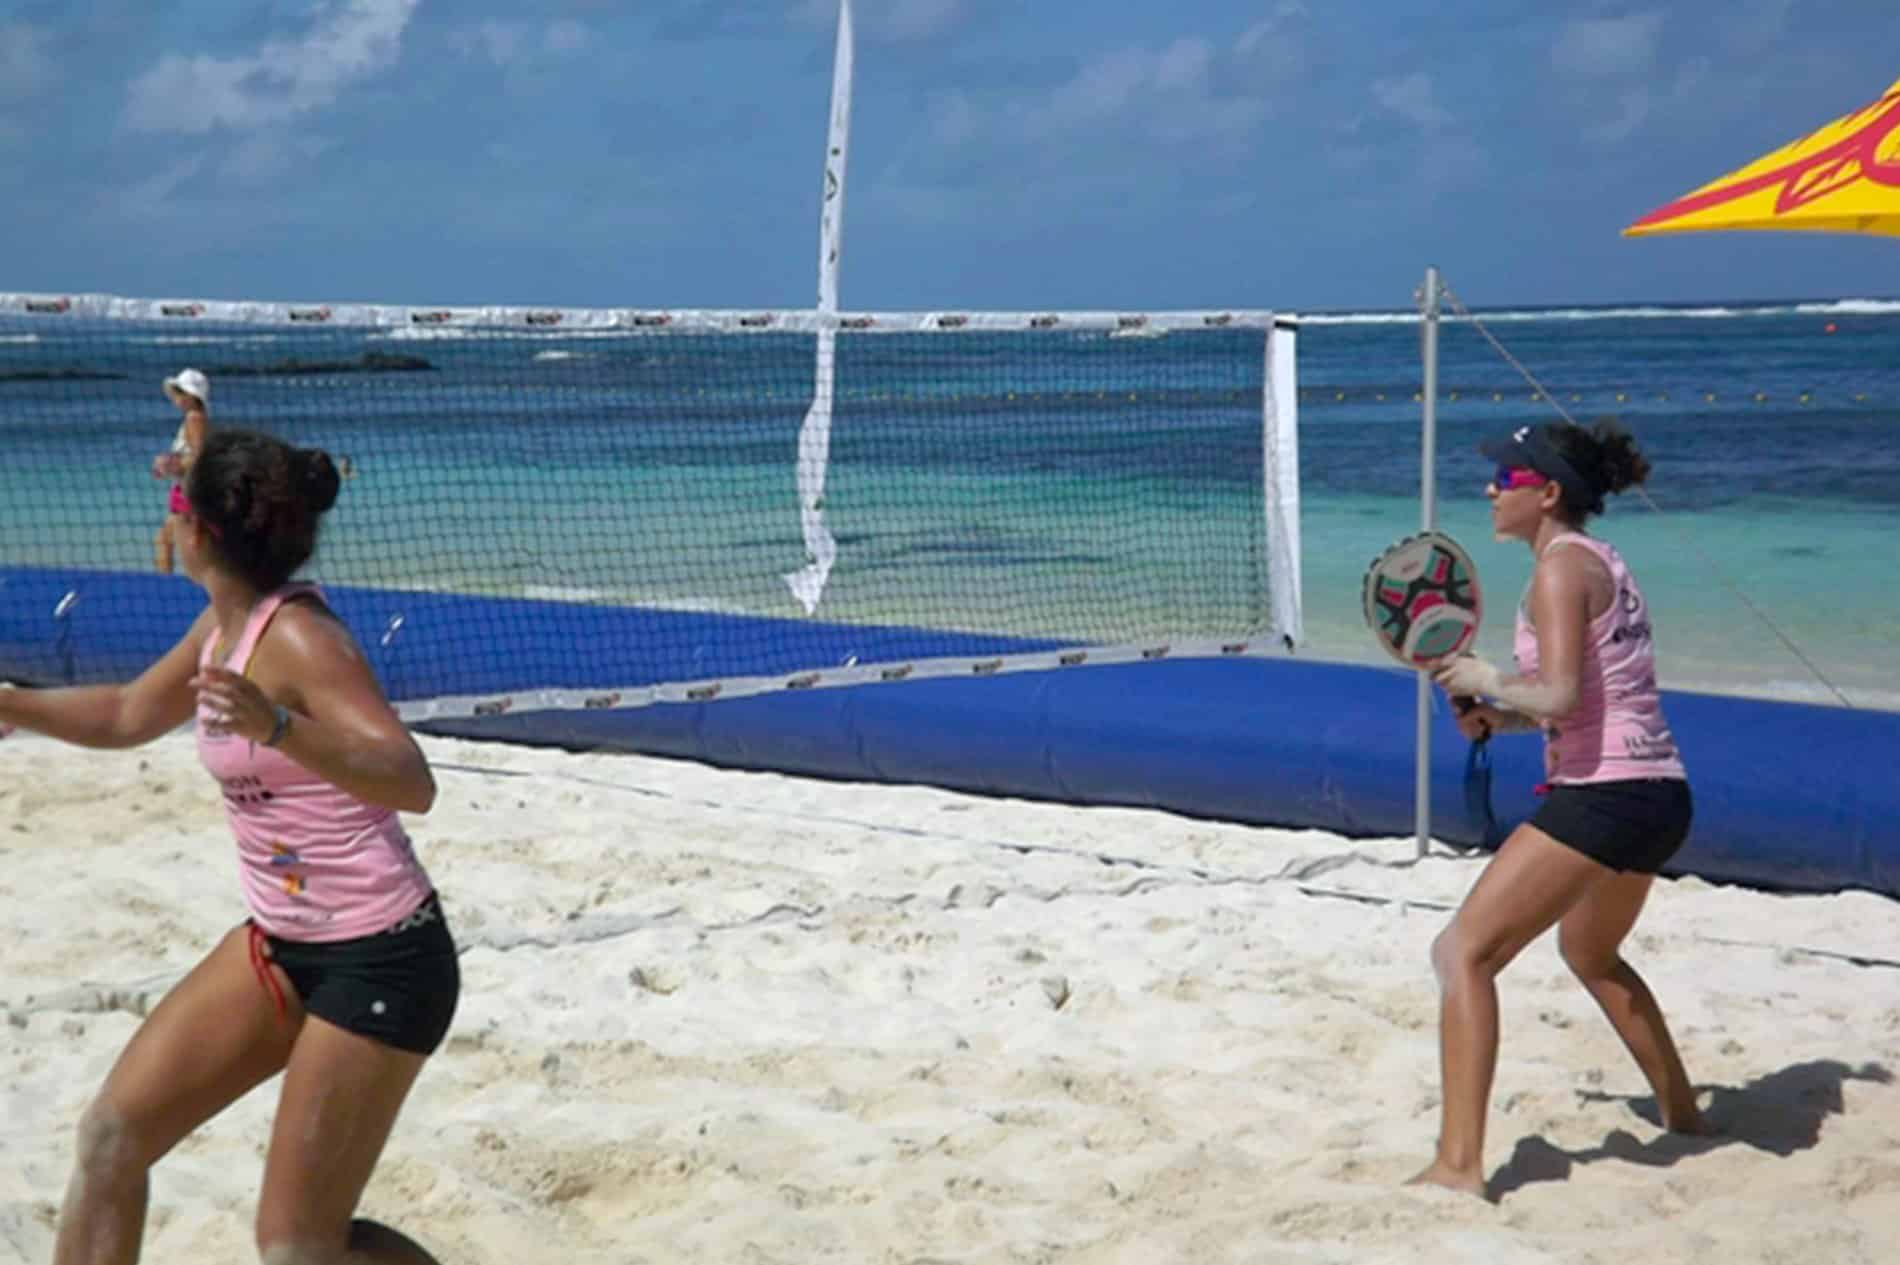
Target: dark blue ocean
{"x": 1067, "y": 484}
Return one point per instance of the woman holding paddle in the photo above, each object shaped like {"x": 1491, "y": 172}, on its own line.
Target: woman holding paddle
{"x": 1617, "y": 804}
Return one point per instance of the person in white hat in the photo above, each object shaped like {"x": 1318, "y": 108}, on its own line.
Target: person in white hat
{"x": 190, "y": 391}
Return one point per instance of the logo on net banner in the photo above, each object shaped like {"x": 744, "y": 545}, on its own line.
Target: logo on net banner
{"x": 494, "y": 706}
{"x": 433, "y": 316}
{"x": 758, "y": 320}
{"x": 652, "y": 320}
{"x": 1131, "y": 322}
{"x": 49, "y": 307}
{"x": 952, "y": 321}
{"x": 857, "y": 322}
{"x": 1048, "y": 320}
{"x": 543, "y": 318}
{"x": 181, "y": 309}
{"x": 310, "y": 315}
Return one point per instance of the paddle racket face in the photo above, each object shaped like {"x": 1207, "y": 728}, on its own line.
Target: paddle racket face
{"x": 1422, "y": 599}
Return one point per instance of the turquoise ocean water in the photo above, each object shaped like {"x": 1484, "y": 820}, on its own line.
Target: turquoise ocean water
{"x": 1067, "y": 485}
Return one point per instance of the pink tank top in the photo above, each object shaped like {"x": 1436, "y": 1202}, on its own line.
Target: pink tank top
{"x": 1617, "y": 731}
{"x": 317, "y": 864}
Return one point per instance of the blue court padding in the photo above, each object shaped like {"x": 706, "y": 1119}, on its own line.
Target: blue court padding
{"x": 1788, "y": 796}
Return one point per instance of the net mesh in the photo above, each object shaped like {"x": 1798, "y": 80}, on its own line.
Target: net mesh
{"x": 971, "y": 485}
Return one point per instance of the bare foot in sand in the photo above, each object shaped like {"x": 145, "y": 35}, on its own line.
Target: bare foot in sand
{"x": 1691, "y": 1123}
{"x": 1437, "y": 1174}
{"x": 1684, "y": 1116}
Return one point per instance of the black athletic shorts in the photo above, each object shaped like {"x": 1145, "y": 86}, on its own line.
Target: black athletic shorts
{"x": 398, "y": 986}
{"x": 1635, "y": 825}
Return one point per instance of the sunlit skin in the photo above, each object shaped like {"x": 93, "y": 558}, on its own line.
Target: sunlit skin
{"x": 220, "y": 1032}
{"x": 1535, "y": 882}
{"x": 176, "y": 466}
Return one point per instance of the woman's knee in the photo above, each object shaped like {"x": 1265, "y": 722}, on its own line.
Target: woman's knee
{"x": 1450, "y": 954}
{"x": 1457, "y": 954}
{"x": 1587, "y": 961}
{"x": 106, "y": 1147}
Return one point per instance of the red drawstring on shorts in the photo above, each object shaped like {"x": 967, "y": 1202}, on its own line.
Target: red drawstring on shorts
{"x": 260, "y": 962}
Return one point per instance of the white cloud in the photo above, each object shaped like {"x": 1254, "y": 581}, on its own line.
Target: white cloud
{"x": 1182, "y": 97}
{"x": 1413, "y": 99}
{"x": 150, "y": 196}
{"x": 886, "y": 21}
{"x": 919, "y": 19}
{"x": 350, "y": 41}
{"x": 499, "y": 42}
{"x": 954, "y": 120}
{"x": 265, "y": 159}
{"x": 1183, "y": 67}
{"x": 1619, "y": 116}
{"x": 1168, "y": 91}
{"x": 505, "y": 43}
{"x": 1102, "y": 88}
{"x": 1431, "y": 157}
{"x": 1270, "y": 27}
{"x": 1273, "y": 43}
{"x": 566, "y": 36}
{"x": 25, "y": 65}
{"x": 1196, "y": 102}
{"x": 1750, "y": 28}
{"x": 1599, "y": 47}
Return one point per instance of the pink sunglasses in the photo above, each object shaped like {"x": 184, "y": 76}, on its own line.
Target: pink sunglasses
{"x": 1508, "y": 477}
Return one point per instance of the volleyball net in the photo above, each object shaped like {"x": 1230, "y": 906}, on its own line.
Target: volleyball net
{"x": 737, "y": 501}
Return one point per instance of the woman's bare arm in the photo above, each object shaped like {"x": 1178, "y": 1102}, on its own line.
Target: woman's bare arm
{"x": 115, "y": 716}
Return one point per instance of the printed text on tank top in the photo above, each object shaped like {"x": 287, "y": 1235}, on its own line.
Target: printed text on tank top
{"x": 317, "y": 863}
{"x": 1617, "y": 729}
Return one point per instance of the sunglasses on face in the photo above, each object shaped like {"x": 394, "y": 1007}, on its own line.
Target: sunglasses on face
{"x": 1507, "y": 477}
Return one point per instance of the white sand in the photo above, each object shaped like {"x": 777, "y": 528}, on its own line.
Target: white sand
{"x": 729, "y": 1017}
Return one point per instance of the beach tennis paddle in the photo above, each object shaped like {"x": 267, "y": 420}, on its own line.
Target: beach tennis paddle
{"x": 1423, "y": 603}
{"x": 1422, "y": 600}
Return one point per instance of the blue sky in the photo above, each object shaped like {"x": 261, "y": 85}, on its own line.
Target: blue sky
{"x": 1291, "y": 154}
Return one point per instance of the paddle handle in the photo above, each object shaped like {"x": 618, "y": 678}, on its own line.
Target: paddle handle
{"x": 1462, "y": 703}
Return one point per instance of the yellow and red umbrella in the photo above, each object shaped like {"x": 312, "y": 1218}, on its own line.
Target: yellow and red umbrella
{"x": 1844, "y": 178}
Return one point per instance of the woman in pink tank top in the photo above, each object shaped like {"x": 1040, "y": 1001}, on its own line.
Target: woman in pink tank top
{"x": 1617, "y": 803}
{"x": 345, "y": 977}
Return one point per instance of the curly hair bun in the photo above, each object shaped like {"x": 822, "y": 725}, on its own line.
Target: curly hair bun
{"x": 317, "y": 478}
{"x": 1619, "y": 464}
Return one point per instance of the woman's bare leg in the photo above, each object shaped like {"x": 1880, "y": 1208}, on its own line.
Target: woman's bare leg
{"x": 341, "y": 1096}
{"x": 215, "y": 1036}
{"x": 1591, "y": 937}
{"x": 1524, "y": 890}
{"x": 162, "y": 547}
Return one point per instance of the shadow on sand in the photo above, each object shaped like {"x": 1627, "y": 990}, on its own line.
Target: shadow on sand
{"x": 1780, "y": 1113}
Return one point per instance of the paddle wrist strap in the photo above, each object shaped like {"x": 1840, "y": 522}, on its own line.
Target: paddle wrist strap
{"x": 280, "y": 727}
